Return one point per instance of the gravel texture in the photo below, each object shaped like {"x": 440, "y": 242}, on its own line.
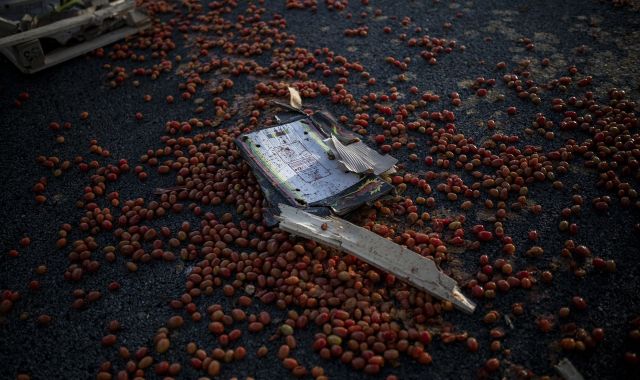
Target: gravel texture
{"x": 69, "y": 348}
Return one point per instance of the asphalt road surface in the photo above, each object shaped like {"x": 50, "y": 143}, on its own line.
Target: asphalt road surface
{"x": 216, "y": 60}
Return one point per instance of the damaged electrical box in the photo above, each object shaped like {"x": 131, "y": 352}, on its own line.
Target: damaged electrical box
{"x": 37, "y": 34}
{"x": 305, "y": 164}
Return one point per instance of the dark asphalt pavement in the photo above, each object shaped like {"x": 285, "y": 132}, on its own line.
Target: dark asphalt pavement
{"x": 70, "y": 348}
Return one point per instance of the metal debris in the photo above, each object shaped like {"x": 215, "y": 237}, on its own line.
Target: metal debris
{"x": 295, "y": 165}
{"x": 375, "y": 250}
{"x": 507, "y": 319}
{"x": 359, "y": 158}
{"x": 77, "y": 27}
{"x": 566, "y": 369}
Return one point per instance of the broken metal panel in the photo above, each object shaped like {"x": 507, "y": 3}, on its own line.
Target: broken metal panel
{"x": 136, "y": 18}
{"x": 328, "y": 126}
{"x": 62, "y": 55}
{"x": 359, "y": 158}
{"x": 566, "y": 369}
{"x": 294, "y": 155}
{"x": 275, "y": 197}
{"x": 375, "y": 250}
{"x": 297, "y": 163}
{"x": 30, "y": 54}
{"x": 21, "y": 56}
{"x": 15, "y": 9}
{"x": 380, "y": 163}
{"x": 294, "y": 165}
{"x": 372, "y": 187}
{"x": 8, "y": 27}
{"x": 98, "y": 23}
{"x": 68, "y": 23}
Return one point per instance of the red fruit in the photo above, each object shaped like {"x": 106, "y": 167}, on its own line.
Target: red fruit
{"x": 477, "y": 291}
{"x": 485, "y": 235}
{"x": 599, "y": 137}
{"x": 598, "y": 262}
{"x": 106, "y": 225}
{"x": 25, "y": 241}
{"x": 579, "y": 303}
{"x": 631, "y": 358}
{"x": 472, "y": 344}
{"x": 421, "y": 238}
{"x": 492, "y": 364}
{"x": 425, "y": 337}
{"x": 598, "y": 334}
